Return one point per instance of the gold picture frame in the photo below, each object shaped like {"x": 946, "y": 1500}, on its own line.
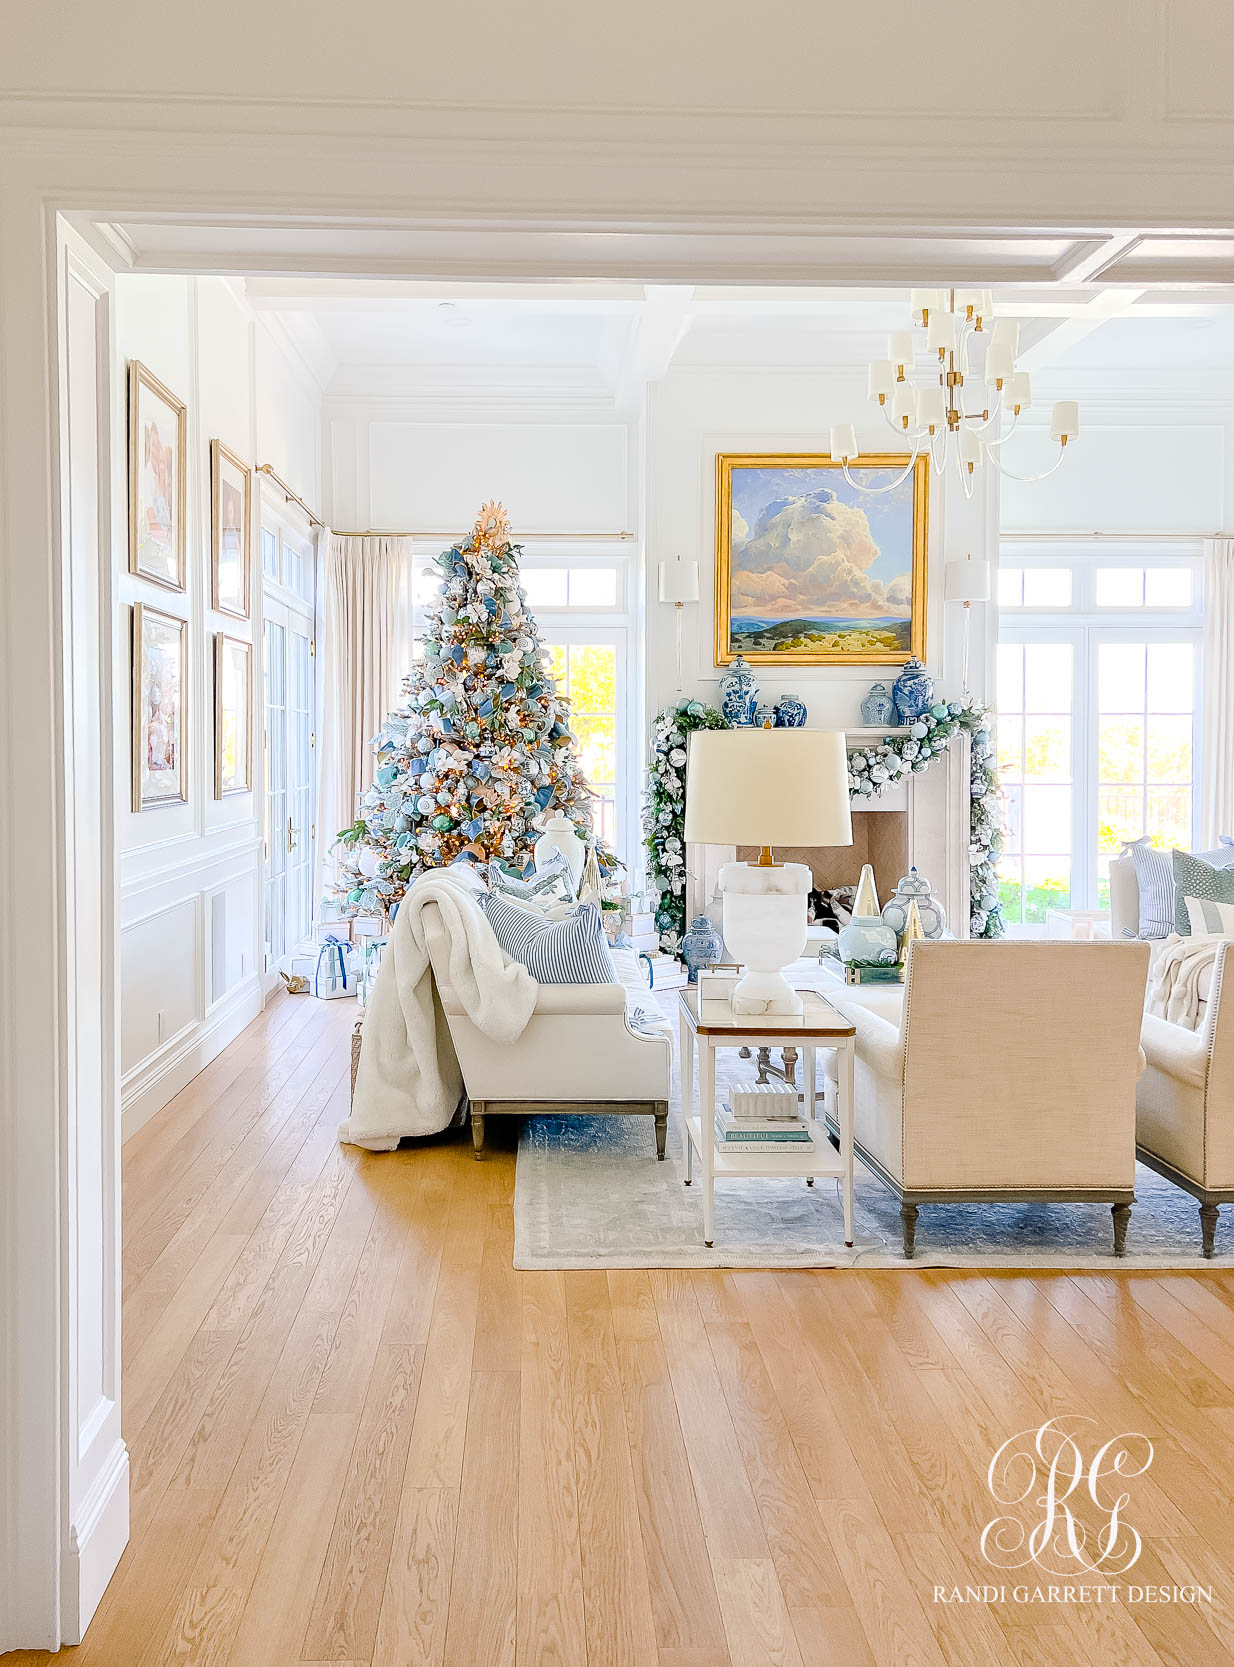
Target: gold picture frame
{"x": 160, "y": 709}
{"x": 157, "y": 466}
{"x": 780, "y": 482}
{"x": 233, "y": 715}
{"x": 231, "y": 531}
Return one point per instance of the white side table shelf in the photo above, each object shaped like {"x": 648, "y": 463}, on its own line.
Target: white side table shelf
{"x": 709, "y": 1025}
{"x": 1084, "y": 924}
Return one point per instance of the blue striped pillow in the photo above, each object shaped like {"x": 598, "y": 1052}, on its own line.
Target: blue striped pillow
{"x": 570, "y": 951}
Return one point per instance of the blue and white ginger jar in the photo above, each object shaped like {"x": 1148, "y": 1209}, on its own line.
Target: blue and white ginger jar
{"x": 913, "y": 691}
{"x": 915, "y": 887}
{"x": 739, "y": 693}
{"x": 878, "y": 709}
{"x": 702, "y": 946}
{"x": 790, "y": 712}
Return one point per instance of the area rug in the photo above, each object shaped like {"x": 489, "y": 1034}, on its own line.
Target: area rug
{"x": 590, "y": 1194}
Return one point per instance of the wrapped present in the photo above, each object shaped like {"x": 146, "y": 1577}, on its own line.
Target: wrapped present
{"x": 369, "y": 926}
{"x": 334, "y": 976}
{"x": 303, "y": 966}
{"x": 327, "y": 929}
{"x": 373, "y": 951}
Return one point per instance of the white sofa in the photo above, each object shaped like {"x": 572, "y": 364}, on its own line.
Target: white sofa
{"x": 1010, "y": 1074}
{"x": 1185, "y": 1102}
{"x": 1125, "y": 917}
{"x": 578, "y": 1056}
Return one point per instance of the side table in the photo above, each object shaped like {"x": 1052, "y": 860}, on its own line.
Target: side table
{"x": 711, "y": 1024}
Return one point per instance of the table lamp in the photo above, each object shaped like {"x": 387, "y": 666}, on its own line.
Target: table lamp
{"x": 766, "y": 787}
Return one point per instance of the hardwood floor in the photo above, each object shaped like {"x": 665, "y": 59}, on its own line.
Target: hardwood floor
{"x": 359, "y": 1436}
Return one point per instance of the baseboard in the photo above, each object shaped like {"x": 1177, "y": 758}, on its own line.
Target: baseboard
{"x": 153, "y": 1083}
{"x": 97, "y": 1539}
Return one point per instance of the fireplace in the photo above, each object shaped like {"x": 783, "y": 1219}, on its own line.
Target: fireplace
{"x": 923, "y": 821}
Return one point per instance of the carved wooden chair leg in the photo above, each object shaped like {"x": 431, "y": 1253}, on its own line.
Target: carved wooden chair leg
{"x": 661, "y": 1127}
{"x": 1122, "y": 1215}
{"x": 788, "y": 1058}
{"x": 908, "y": 1216}
{"x": 1208, "y": 1226}
{"x": 477, "y": 1127}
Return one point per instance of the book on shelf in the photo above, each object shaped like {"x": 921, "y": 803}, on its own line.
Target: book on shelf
{"x": 756, "y": 1134}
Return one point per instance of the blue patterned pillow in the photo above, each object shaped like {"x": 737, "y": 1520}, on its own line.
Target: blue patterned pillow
{"x": 1204, "y": 881}
{"x": 570, "y": 951}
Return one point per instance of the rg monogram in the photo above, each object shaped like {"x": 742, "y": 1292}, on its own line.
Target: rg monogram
{"x": 1070, "y": 1520}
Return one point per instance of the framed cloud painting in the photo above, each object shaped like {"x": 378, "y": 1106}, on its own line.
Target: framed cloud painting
{"x": 156, "y": 480}
{"x": 814, "y": 572}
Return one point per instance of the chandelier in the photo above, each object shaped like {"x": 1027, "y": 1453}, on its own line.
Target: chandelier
{"x": 936, "y": 415}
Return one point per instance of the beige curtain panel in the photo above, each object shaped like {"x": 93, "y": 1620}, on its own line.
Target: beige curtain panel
{"x": 1218, "y": 731}
{"x": 368, "y": 642}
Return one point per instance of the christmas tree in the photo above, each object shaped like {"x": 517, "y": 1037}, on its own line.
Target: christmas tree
{"x": 480, "y": 752}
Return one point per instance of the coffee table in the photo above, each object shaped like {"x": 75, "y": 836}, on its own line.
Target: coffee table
{"x": 711, "y": 1024}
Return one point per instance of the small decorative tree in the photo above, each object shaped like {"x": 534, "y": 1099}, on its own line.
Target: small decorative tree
{"x": 480, "y": 752}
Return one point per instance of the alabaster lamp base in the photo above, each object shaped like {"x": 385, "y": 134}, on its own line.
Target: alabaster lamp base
{"x": 765, "y": 930}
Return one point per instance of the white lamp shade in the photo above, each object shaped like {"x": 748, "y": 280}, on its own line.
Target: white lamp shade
{"x": 1007, "y": 333}
{"x": 940, "y": 332}
{"x": 967, "y": 581}
{"x": 970, "y": 445}
{"x": 679, "y": 581}
{"x": 999, "y": 363}
{"x": 844, "y": 441}
{"x": 900, "y": 347}
{"x": 904, "y": 404}
{"x": 1018, "y": 390}
{"x": 926, "y": 300}
{"x": 882, "y": 378}
{"x": 931, "y": 407}
{"x": 1065, "y": 420}
{"x": 767, "y": 787}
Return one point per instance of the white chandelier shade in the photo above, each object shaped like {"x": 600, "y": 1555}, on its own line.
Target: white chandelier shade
{"x": 932, "y": 414}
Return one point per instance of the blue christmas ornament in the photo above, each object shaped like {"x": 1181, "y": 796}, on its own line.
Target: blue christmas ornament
{"x": 508, "y": 691}
{"x": 543, "y": 795}
{"x": 387, "y": 774}
{"x": 482, "y": 769}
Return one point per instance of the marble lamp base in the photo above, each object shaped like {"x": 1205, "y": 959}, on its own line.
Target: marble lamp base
{"x": 765, "y": 930}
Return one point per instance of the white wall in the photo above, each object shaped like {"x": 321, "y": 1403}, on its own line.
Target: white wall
{"x": 697, "y": 412}
{"x": 190, "y": 875}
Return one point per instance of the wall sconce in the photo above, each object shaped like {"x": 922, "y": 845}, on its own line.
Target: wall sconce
{"x": 678, "y": 585}
{"x": 967, "y": 581}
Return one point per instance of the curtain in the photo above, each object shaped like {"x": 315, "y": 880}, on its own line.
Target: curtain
{"x": 368, "y": 640}
{"x": 1218, "y": 720}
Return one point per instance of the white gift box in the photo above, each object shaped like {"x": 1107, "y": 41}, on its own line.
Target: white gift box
{"x": 303, "y": 966}
{"x": 368, "y": 926}
{"x": 373, "y": 951}
{"x": 331, "y": 929}
{"x": 334, "y": 976}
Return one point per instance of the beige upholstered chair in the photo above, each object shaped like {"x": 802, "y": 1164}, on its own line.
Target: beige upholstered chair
{"x": 1185, "y": 1104}
{"x": 1010, "y": 1075}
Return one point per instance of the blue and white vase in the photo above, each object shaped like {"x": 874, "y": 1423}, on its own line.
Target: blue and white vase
{"x": 764, "y": 715}
{"x": 867, "y": 938}
{"x": 915, "y": 888}
{"x": 702, "y": 946}
{"x": 913, "y": 691}
{"x": 739, "y": 693}
{"x": 790, "y": 712}
{"x": 878, "y": 709}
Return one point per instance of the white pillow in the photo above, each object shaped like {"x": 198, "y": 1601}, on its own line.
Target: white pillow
{"x": 1206, "y": 916}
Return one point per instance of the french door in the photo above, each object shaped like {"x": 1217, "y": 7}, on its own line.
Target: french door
{"x": 290, "y": 833}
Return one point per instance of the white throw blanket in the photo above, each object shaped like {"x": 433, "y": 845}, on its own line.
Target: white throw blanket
{"x": 1181, "y": 963}
{"x": 409, "y": 1081}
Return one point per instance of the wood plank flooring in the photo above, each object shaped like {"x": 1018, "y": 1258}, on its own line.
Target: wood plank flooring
{"x": 358, "y": 1436}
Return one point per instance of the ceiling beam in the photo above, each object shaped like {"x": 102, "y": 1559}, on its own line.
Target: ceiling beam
{"x": 658, "y": 332}
{"x": 1051, "y": 342}
{"x": 1084, "y": 262}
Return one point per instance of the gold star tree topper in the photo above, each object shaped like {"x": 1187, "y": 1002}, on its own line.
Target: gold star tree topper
{"x": 492, "y": 526}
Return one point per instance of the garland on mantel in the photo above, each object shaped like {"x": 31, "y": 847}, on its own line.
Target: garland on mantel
{"x": 872, "y": 771}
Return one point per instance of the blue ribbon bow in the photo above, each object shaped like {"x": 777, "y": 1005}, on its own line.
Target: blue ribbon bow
{"x": 338, "y": 945}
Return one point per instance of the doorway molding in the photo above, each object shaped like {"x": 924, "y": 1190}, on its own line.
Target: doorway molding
{"x": 63, "y": 1469}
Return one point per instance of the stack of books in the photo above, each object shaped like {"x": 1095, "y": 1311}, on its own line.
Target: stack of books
{"x": 762, "y": 1114}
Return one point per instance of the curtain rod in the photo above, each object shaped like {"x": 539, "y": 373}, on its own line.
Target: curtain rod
{"x": 292, "y": 497}
{"x": 537, "y": 538}
{"x": 1107, "y": 538}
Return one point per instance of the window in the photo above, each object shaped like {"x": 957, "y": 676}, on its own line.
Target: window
{"x": 1098, "y": 715}
{"x": 586, "y": 674}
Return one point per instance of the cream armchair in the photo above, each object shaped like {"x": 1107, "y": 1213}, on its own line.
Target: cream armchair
{"x": 1185, "y": 1105}
{"x": 578, "y": 1056}
{"x": 1011, "y": 1074}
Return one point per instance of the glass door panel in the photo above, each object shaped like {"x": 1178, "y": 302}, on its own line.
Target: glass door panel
{"x": 1036, "y": 697}
{"x": 276, "y": 790}
{"x": 299, "y": 781}
{"x": 586, "y": 673}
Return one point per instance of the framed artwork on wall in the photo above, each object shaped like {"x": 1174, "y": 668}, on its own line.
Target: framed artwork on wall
{"x": 230, "y": 496}
{"x": 156, "y": 480}
{"x": 811, "y": 571}
{"x": 160, "y": 701}
{"x": 233, "y": 716}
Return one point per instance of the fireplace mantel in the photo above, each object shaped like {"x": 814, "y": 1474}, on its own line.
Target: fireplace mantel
{"x": 933, "y": 808}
